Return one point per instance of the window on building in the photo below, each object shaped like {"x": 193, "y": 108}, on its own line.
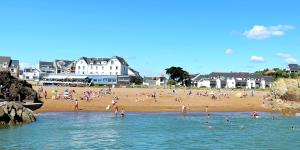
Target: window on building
{"x": 110, "y": 73}
{"x": 83, "y": 67}
{"x": 78, "y": 67}
{"x": 116, "y": 73}
{"x": 110, "y": 67}
{"x": 117, "y": 67}
{"x": 102, "y": 67}
{"x": 112, "y": 62}
{"x": 96, "y": 67}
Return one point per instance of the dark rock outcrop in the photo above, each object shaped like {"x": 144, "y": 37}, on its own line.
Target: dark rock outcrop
{"x": 14, "y": 89}
{"x": 14, "y": 113}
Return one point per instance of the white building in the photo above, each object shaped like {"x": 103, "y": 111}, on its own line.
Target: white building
{"x": 132, "y": 72}
{"x": 7, "y": 64}
{"x": 102, "y": 66}
{"x": 30, "y": 74}
{"x": 71, "y": 79}
{"x": 155, "y": 81}
{"x": 232, "y": 80}
{"x": 230, "y": 83}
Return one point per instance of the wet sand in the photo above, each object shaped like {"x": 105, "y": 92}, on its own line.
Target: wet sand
{"x": 136, "y": 100}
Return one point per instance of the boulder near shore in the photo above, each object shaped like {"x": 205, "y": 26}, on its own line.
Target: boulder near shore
{"x": 12, "y": 113}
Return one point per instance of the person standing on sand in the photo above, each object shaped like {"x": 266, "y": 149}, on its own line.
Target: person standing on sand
{"x": 206, "y": 109}
{"x": 183, "y": 109}
{"x": 76, "y": 105}
{"x": 45, "y": 94}
{"x": 174, "y": 92}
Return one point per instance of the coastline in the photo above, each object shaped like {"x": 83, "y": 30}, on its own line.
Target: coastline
{"x": 83, "y": 107}
{"x": 136, "y": 100}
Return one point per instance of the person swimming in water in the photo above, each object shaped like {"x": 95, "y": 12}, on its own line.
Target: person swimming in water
{"x": 292, "y": 128}
{"x": 208, "y": 116}
{"x": 255, "y": 115}
{"x": 122, "y": 113}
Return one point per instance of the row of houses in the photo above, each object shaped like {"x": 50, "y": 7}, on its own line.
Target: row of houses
{"x": 232, "y": 80}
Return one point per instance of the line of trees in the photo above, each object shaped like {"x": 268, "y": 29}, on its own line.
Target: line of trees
{"x": 278, "y": 73}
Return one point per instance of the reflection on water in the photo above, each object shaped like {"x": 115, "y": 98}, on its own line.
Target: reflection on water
{"x": 154, "y": 131}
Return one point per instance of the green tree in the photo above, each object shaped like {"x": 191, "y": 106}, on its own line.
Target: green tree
{"x": 136, "y": 80}
{"x": 171, "y": 82}
{"x": 177, "y": 74}
{"x": 294, "y": 75}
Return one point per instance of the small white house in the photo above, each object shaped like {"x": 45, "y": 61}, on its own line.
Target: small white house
{"x": 31, "y": 74}
{"x": 218, "y": 83}
{"x": 251, "y": 84}
{"x": 155, "y": 81}
{"x": 263, "y": 84}
{"x": 204, "y": 83}
{"x": 230, "y": 83}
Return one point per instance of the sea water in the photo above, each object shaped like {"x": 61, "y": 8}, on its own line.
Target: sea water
{"x": 68, "y": 131}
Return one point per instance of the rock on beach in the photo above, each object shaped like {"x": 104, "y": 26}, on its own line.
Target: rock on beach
{"x": 14, "y": 113}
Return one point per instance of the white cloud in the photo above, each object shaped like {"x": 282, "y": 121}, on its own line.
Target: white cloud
{"x": 260, "y": 32}
{"x": 288, "y": 58}
{"x": 228, "y": 51}
{"x": 291, "y": 61}
{"x": 284, "y": 55}
{"x": 257, "y": 59}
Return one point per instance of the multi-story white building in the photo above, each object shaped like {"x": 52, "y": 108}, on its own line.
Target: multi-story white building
{"x": 102, "y": 66}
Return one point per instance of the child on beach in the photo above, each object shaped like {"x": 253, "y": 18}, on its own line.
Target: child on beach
{"x": 206, "y": 109}
{"x": 76, "y": 104}
{"x": 184, "y": 109}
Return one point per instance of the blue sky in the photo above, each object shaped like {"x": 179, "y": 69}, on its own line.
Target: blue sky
{"x": 155, "y": 34}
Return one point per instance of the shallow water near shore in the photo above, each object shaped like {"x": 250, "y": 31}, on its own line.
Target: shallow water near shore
{"x": 88, "y": 130}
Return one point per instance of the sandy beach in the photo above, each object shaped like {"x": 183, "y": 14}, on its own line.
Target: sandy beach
{"x": 140, "y": 100}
